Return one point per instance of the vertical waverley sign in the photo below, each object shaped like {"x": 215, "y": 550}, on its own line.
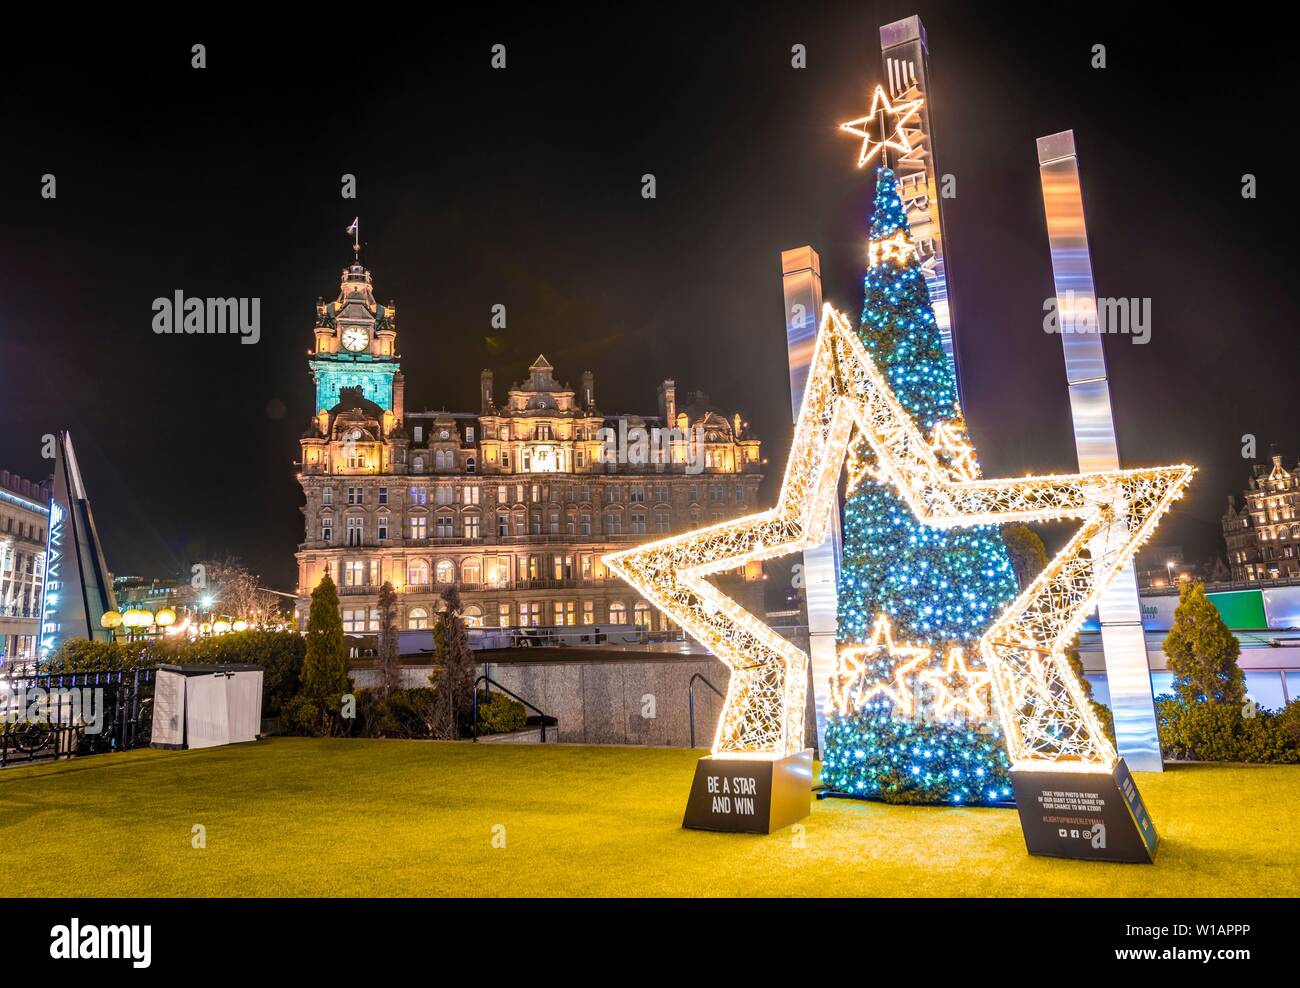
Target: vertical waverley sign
{"x": 905, "y": 55}
{"x": 52, "y": 586}
{"x": 76, "y": 590}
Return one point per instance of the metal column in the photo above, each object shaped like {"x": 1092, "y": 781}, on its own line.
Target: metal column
{"x": 1128, "y": 674}
{"x": 801, "y": 281}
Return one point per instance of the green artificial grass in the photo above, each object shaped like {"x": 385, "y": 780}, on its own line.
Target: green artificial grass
{"x": 397, "y": 818}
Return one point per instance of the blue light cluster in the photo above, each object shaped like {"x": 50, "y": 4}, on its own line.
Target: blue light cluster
{"x": 871, "y": 755}
{"x": 937, "y": 587}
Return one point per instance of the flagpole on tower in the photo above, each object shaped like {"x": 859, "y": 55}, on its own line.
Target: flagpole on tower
{"x": 355, "y": 230}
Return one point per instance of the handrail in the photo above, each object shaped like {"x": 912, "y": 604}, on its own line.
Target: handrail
{"x": 485, "y": 678}
{"x": 690, "y": 691}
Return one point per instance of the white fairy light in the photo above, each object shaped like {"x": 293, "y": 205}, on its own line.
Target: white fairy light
{"x": 849, "y": 410}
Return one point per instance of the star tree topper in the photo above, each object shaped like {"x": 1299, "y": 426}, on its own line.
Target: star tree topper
{"x": 1048, "y": 722}
{"x": 877, "y": 121}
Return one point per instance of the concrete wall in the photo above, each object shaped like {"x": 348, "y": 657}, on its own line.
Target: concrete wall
{"x": 605, "y": 702}
{"x": 367, "y": 677}
{"x": 602, "y": 701}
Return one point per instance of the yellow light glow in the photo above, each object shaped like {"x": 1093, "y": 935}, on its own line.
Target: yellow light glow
{"x": 165, "y": 617}
{"x": 135, "y": 617}
{"x": 897, "y": 249}
{"x": 862, "y": 127}
{"x": 958, "y": 687}
{"x": 1046, "y": 718}
{"x": 110, "y": 619}
{"x": 239, "y": 625}
{"x": 854, "y": 682}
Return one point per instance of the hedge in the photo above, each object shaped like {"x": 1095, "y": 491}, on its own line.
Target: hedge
{"x": 406, "y": 713}
{"x": 1227, "y": 732}
{"x": 279, "y": 653}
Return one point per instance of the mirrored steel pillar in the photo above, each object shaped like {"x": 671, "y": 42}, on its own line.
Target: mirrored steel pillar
{"x": 1128, "y": 674}
{"x": 905, "y": 58}
{"x": 801, "y": 280}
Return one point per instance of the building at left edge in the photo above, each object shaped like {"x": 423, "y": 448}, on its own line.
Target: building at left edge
{"x": 24, "y": 518}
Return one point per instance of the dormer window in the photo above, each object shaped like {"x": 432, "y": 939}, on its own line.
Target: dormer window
{"x": 419, "y": 433}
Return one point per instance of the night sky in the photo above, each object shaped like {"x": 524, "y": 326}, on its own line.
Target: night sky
{"x": 522, "y": 187}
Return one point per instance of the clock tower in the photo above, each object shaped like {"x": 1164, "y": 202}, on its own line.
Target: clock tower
{"x": 356, "y": 344}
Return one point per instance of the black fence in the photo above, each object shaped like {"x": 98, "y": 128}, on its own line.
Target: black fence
{"x": 66, "y": 715}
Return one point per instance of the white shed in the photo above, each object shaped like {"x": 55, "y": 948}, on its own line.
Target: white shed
{"x": 205, "y": 706}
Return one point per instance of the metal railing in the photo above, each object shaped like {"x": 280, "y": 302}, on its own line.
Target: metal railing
{"x": 690, "y": 692}
{"x": 64, "y": 715}
{"x": 541, "y": 717}
{"x": 543, "y": 636}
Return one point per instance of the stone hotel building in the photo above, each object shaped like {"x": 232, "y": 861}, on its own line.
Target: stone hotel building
{"x": 515, "y": 502}
{"x": 1263, "y": 535}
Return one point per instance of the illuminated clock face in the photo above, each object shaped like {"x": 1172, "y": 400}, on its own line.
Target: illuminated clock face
{"x": 355, "y": 339}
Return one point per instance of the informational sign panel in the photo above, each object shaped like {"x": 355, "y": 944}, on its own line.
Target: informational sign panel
{"x": 1241, "y": 610}
{"x": 1085, "y": 815}
{"x": 750, "y": 796}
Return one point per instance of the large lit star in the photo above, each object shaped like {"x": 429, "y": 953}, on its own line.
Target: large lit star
{"x": 1047, "y": 720}
{"x": 878, "y": 120}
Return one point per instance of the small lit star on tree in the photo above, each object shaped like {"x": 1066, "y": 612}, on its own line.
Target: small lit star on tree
{"x": 878, "y": 668}
{"x": 959, "y": 687}
{"x": 897, "y": 248}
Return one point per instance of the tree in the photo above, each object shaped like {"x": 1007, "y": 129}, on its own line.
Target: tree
{"x": 324, "y": 668}
{"x": 227, "y": 586}
{"x": 1028, "y": 556}
{"x": 939, "y": 588}
{"x": 390, "y": 664}
{"x": 1202, "y": 652}
{"x": 454, "y": 677}
{"x": 1103, "y": 713}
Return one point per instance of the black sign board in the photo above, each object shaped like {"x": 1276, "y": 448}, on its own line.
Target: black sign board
{"x": 750, "y": 796}
{"x": 1092, "y": 816}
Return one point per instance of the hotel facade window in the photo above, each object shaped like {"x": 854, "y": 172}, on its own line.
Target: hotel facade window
{"x": 533, "y": 459}
{"x": 1260, "y": 537}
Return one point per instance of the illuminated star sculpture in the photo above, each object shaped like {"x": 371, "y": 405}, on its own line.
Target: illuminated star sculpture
{"x": 1048, "y": 722}
{"x": 877, "y": 121}
{"x": 958, "y": 687}
{"x": 878, "y": 668}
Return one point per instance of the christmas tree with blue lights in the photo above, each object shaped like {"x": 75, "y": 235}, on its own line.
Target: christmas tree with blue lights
{"x": 919, "y": 724}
